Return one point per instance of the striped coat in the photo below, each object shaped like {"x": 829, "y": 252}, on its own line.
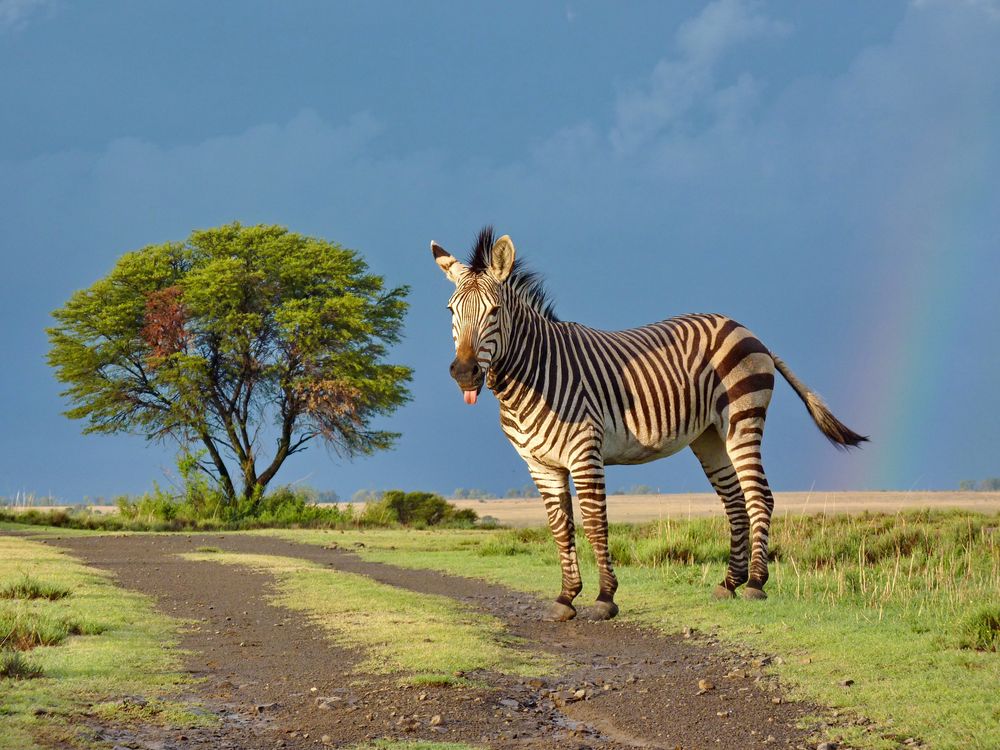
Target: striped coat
{"x": 574, "y": 399}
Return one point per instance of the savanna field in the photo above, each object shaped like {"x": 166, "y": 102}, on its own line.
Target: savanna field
{"x": 884, "y": 628}
{"x": 280, "y": 276}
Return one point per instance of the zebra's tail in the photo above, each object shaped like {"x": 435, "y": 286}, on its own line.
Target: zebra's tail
{"x": 836, "y": 431}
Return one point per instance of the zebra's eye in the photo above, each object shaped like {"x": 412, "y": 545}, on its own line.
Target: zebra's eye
{"x": 493, "y": 310}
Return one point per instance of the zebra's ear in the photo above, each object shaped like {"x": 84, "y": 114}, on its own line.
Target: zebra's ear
{"x": 502, "y": 258}
{"x": 452, "y": 268}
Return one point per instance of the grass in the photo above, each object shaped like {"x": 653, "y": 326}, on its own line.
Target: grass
{"x": 30, "y": 588}
{"x": 88, "y": 647}
{"x": 904, "y": 605}
{"x": 16, "y": 666}
{"x": 22, "y": 630}
{"x": 427, "y": 639}
{"x": 980, "y": 630}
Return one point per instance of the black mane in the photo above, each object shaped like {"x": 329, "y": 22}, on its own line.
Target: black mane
{"x": 527, "y": 284}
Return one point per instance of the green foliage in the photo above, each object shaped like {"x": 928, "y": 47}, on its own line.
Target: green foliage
{"x": 284, "y": 507}
{"x": 30, "y": 588}
{"x": 417, "y": 509}
{"x": 980, "y": 630}
{"x": 213, "y": 339}
{"x": 16, "y": 666}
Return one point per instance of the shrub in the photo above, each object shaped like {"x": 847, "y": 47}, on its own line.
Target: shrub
{"x": 199, "y": 509}
{"x": 417, "y": 509}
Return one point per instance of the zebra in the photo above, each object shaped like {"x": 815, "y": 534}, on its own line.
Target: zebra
{"x": 575, "y": 399}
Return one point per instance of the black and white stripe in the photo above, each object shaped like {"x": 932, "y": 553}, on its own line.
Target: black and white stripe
{"x": 575, "y": 399}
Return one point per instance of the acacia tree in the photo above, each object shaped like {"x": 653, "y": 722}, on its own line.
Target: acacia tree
{"x": 236, "y": 336}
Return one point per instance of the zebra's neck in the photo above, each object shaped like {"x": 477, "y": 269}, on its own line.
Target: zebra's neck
{"x": 529, "y": 339}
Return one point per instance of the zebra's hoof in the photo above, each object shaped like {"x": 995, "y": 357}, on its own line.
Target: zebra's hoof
{"x": 749, "y": 592}
{"x": 601, "y": 610}
{"x": 560, "y": 612}
{"x": 721, "y": 592}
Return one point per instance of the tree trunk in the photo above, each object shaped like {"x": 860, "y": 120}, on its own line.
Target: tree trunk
{"x": 220, "y": 466}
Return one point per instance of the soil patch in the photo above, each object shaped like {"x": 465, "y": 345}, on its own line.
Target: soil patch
{"x": 275, "y": 680}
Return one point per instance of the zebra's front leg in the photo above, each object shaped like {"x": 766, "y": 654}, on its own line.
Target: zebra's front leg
{"x": 553, "y": 485}
{"x": 588, "y": 476}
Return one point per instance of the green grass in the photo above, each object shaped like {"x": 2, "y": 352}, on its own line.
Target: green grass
{"x": 22, "y": 629}
{"x": 30, "y": 588}
{"x": 16, "y": 666}
{"x": 980, "y": 630}
{"x": 91, "y": 646}
{"x": 428, "y": 639}
{"x": 903, "y": 604}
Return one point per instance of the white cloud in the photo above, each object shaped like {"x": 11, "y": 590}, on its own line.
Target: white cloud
{"x": 721, "y": 25}
{"x": 679, "y": 85}
{"x": 16, "y": 14}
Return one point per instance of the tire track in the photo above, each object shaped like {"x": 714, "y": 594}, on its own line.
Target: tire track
{"x": 623, "y": 686}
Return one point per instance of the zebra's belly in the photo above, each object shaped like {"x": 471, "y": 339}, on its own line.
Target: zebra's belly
{"x": 628, "y": 449}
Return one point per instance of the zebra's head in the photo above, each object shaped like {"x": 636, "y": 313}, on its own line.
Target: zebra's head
{"x": 476, "y": 320}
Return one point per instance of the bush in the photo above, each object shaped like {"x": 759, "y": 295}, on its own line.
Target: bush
{"x": 417, "y": 509}
{"x": 198, "y": 509}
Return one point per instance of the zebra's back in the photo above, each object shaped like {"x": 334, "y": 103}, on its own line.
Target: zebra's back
{"x": 654, "y": 389}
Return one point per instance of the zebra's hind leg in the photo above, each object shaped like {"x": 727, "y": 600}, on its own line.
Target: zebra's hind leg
{"x": 743, "y": 446}
{"x": 711, "y": 452}
{"x": 588, "y": 476}
{"x": 553, "y": 485}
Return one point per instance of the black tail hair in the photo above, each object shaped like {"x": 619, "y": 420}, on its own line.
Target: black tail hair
{"x": 836, "y": 431}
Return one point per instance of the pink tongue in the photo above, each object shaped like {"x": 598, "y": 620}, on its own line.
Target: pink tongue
{"x": 470, "y": 397}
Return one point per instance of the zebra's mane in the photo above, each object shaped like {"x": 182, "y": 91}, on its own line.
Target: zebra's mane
{"x": 528, "y": 285}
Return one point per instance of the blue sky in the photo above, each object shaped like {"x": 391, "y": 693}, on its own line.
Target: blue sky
{"x": 823, "y": 172}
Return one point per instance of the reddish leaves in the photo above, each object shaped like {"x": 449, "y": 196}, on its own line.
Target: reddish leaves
{"x": 333, "y": 404}
{"x": 165, "y": 317}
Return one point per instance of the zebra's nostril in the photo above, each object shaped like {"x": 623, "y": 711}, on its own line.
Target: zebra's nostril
{"x": 475, "y": 370}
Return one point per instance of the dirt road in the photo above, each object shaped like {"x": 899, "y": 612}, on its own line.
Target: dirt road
{"x": 265, "y": 668}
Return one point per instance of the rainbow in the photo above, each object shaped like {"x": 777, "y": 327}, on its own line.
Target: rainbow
{"x": 924, "y": 241}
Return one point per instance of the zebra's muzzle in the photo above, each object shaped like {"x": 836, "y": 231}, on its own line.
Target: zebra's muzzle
{"x": 469, "y": 376}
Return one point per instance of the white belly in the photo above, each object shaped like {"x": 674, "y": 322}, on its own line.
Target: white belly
{"x": 628, "y": 450}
